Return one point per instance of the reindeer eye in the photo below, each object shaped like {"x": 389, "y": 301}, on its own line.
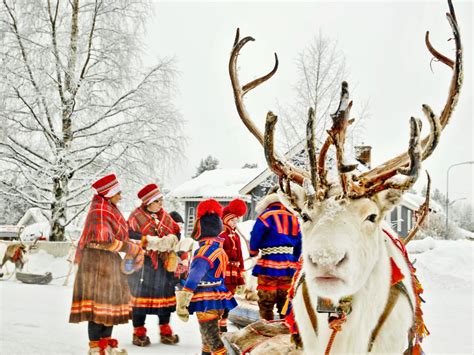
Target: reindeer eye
{"x": 371, "y": 218}
{"x": 305, "y": 217}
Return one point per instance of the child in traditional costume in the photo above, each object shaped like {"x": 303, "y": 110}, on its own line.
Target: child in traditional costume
{"x": 234, "y": 274}
{"x": 204, "y": 291}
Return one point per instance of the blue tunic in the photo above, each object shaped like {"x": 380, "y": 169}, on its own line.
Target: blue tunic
{"x": 276, "y": 233}
{"x": 206, "y": 278}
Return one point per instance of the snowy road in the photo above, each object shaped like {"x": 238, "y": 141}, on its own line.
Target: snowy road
{"x": 34, "y": 318}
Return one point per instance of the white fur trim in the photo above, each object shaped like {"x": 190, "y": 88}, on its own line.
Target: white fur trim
{"x": 113, "y": 191}
{"x": 265, "y": 202}
{"x": 154, "y": 198}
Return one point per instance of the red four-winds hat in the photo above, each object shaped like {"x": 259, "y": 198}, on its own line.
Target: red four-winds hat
{"x": 149, "y": 194}
{"x": 107, "y": 186}
{"x": 235, "y": 209}
{"x": 208, "y": 222}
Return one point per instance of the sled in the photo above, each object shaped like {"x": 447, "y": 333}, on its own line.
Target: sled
{"x": 28, "y": 278}
{"x": 245, "y": 313}
{"x": 261, "y": 337}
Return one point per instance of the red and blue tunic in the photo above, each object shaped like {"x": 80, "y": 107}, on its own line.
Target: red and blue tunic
{"x": 276, "y": 233}
{"x": 206, "y": 278}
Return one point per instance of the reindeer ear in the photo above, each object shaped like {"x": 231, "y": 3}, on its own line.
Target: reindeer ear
{"x": 296, "y": 201}
{"x": 388, "y": 199}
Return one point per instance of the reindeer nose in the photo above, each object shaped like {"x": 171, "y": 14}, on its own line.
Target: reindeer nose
{"x": 328, "y": 257}
{"x": 342, "y": 260}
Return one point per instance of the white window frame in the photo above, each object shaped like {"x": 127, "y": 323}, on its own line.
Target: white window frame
{"x": 399, "y": 218}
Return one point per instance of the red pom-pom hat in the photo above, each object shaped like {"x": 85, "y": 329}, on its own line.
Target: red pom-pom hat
{"x": 150, "y": 193}
{"x": 235, "y": 209}
{"x": 210, "y": 206}
{"x": 208, "y": 220}
{"x": 107, "y": 186}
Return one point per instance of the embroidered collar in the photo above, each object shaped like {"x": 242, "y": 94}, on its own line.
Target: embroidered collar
{"x": 211, "y": 240}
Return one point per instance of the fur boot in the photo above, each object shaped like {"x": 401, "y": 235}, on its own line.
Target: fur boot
{"x": 112, "y": 347}
{"x": 167, "y": 336}
{"x": 139, "y": 337}
{"x": 94, "y": 348}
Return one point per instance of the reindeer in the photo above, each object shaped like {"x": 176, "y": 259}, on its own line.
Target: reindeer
{"x": 16, "y": 253}
{"x": 356, "y": 292}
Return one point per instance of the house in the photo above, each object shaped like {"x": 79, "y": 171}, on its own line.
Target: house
{"x": 35, "y": 223}
{"x": 222, "y": 185}
{"x": 403, "y": 217}
{"x": 252, "y": 184}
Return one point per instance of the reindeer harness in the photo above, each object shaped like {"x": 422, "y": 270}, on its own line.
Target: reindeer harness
{"x": 18, "y": 254}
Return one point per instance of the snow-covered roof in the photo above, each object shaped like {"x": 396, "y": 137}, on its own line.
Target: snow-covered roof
{"x": 414, "y": 202}
{"x": 218, "y": 184}
{"x": 33, "y": 215}
{"x": 297, "y": 149}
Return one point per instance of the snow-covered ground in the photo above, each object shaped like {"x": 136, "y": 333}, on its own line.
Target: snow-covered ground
{"x": 34, "y": 318}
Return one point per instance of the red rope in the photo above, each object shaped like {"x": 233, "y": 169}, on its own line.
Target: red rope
{"x": 331, "y": 340}
{"x": 335, "y": 323}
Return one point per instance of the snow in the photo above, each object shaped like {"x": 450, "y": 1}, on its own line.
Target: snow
{"x": 33, "y": 214}
{"x": 218, "y": 183}
{"x": 421, "y": 246}
{"x": 34, "y": 318}
{"x": 36, "y": 230}
{"x": 414, "y": 202}
{"x": 461, "y": 233}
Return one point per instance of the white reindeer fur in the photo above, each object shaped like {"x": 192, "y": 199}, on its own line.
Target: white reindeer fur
{"x": 342, "y": 229}
{"x": 265, "y": 202}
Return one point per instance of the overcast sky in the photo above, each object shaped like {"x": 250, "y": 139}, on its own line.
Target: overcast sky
{"x": 388, "y": 64}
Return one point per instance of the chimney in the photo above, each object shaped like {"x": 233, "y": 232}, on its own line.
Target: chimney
{"x": 362, "y": 154}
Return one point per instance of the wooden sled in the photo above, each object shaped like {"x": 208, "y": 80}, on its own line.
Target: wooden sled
{"x": 245, "y": 313}
{"x": 28, "y": 278}
{"x": 261, "y": 337}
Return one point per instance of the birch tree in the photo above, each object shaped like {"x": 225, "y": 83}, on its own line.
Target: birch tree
{"x": 321, "y": 68}
{"x": 76, "y": 101}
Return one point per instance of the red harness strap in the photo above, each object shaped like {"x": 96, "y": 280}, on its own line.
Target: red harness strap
{"x": 17, "y": 255}
{"x": 419, "y": 329}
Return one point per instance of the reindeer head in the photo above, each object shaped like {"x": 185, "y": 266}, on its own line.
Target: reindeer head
{"x": 342, "y": 233}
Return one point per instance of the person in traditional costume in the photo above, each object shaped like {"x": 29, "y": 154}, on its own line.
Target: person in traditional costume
{"x": 204, "y": 291}
{"x": 235, "y": 271}
{"x": 153, "y": 286}
{"x": 101, "y": 294}
{"x": 276, "y": 235}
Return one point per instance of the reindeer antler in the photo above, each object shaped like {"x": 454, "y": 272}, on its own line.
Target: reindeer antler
{"x": 376, "y": 179}
{"x": 278, "y": 165}
{"x": 424, "y": 209}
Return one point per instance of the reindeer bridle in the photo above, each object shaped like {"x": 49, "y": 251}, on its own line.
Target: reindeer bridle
{"x": 367, "y": 184}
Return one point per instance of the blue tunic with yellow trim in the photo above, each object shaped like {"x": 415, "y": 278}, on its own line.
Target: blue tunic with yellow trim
{"x": 206, "y": 278}
{"x": 276, "y": 233}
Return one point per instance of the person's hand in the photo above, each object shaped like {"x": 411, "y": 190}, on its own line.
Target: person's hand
{"x": 139, "y": 259}
{"x": 183, "y": 298}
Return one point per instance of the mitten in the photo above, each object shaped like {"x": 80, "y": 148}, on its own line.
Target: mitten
{"x": 183, "y": 298}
